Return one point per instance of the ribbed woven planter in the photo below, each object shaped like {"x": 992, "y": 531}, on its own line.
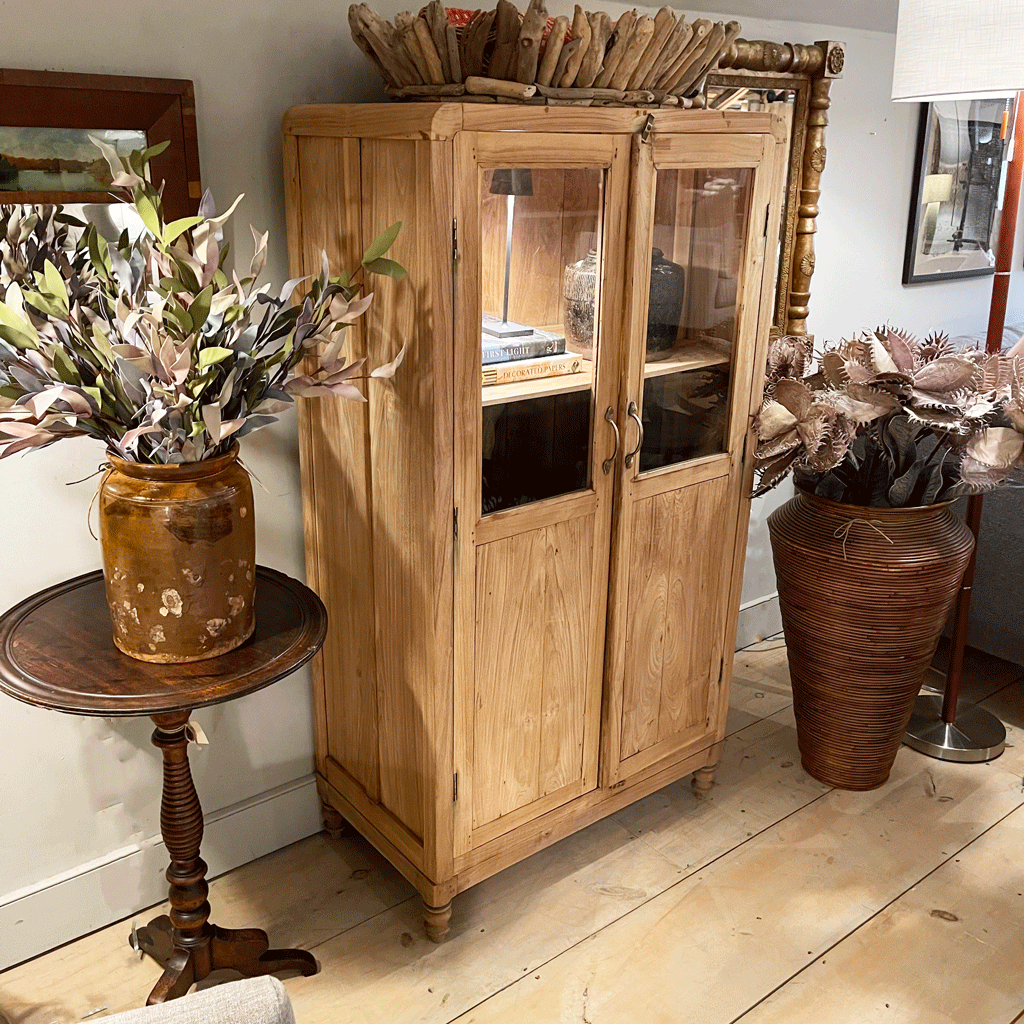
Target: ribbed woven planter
{"x": 865, "y": 593}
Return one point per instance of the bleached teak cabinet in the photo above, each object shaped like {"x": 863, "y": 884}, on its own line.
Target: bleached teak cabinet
{"x": 532, "y": 568}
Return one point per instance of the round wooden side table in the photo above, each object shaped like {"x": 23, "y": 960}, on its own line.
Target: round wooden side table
{"x": 57, "y": 652}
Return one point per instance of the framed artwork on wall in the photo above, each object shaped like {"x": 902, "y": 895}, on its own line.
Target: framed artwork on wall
{"x": 953, "y": 228}
{"x": 46, "y": 118}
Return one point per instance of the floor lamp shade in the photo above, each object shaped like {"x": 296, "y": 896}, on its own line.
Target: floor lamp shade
{"x": 953, "y": 48}
{"x": 512, "y": 181}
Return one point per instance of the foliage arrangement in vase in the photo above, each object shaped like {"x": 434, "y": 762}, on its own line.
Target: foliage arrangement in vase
{"x": 881, "y": 437}
{"x": 153, "y": 346}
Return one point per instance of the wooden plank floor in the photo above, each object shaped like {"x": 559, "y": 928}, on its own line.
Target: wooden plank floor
{"x": 777, "y": 900}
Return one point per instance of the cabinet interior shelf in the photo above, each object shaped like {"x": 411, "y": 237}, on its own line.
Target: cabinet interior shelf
{"x": 694, "y": 356}
{"x": 518, "y": 391}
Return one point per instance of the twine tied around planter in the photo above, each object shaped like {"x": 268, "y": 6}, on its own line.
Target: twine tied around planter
{"x": 844, "y": 531}
{"x": 106, "y": 468}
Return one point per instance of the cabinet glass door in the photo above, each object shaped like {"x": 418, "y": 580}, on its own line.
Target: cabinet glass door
{"x": 542, "y": 260}
{"x": 542, "y": 222}
{"x": 701, "y": 221}
{"x": 699, "y": 301}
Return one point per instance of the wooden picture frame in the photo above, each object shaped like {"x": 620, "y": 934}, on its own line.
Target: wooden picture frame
{"x": 162, "y": 108}
{"x": 808, "y": 71}
{"x": 960, "y": 161}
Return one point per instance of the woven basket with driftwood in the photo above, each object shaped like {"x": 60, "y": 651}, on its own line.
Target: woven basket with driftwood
{"x": 505, "y": 56}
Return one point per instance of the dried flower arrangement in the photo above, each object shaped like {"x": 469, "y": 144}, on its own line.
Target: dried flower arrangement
{"x": 505, "y": 56}
{"x": 886, "y": 420}
{"x": 147, "y": 344}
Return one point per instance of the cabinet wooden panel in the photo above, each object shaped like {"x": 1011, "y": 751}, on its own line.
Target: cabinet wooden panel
{"x": 531, "y": 602}
{"x": 675, "y": 613}
{"x": 533, "y": 643}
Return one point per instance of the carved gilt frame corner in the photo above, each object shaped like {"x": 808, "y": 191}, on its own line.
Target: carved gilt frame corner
{"x": 808, "y": 70}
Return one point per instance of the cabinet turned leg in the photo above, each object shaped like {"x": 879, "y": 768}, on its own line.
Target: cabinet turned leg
{"x": 436, "y": 921}
{"x": 334, "y": 824}
{"x": 703, "y": 780}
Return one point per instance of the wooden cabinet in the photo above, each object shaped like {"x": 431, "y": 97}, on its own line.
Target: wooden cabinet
{"x": 532, "y": 568}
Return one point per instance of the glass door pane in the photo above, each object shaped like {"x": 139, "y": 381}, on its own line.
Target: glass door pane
{"x": 541, "y": 258}
{"x": 700, "y": 233}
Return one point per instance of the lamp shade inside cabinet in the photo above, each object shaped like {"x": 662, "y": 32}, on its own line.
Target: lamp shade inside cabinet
{"x": 530, "y": 542}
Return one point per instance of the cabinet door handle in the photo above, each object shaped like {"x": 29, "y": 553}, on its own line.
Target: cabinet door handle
{"x": 609, "y": 415}
{"x": 631, "y": 411}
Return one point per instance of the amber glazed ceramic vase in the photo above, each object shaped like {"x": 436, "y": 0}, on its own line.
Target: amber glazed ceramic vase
{"x": 179, "y": 554}
{"x": 865, "y": 593}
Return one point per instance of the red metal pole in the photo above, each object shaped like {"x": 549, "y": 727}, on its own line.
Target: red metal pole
{"x": 993, "y": 343}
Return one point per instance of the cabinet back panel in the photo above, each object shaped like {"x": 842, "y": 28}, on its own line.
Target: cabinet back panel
{"x": 678, "y": 576}
{"x": 337, "y": 504}
{"x": 533, "y": 637}
{"x": 554, "y": 227}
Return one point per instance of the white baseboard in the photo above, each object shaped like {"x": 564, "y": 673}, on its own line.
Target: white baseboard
{"x": 127, "y": 881}
{"x": 758, "y": 618}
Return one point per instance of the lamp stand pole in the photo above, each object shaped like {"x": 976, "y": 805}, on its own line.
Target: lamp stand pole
{"x": 509, "y": 218}
{"x": 935, "y": 728}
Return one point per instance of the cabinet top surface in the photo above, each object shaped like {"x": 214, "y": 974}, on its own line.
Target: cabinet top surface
{"x": 444, "y": 120}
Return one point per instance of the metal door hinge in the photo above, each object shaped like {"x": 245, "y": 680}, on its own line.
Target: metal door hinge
{"x": 743, "y": 457}
{"x": 455, "y": 525}
{"x": 455, "y": 788}
{"x": 618, "y": 785}
{"x": 721, "y": 671}
{"x": 455, "y": 242}
{"x": 648, "y": 129}
{"x": 767, "y": 211}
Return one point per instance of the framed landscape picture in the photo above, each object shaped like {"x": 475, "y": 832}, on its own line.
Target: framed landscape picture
{"x": 953, "y": 226}
{"x": 47, "y": 118}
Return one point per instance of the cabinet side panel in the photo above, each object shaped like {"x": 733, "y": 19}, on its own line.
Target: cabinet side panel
{"x": 336, "y": 491}
{"x": 397, "y": 186}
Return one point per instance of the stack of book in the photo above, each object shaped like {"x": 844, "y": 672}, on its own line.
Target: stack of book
{"x": 523, "y": 346}
{"x": 531, "y": 369}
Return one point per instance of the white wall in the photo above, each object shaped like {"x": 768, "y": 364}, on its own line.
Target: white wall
{"x": 79, "y": 797}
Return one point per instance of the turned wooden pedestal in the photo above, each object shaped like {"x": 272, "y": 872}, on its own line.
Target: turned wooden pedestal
{"x": 56, "y": 651}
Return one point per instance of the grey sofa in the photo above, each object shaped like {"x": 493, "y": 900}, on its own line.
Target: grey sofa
{"x": 252, "y": 1001}
{"x": 997, "y": 607}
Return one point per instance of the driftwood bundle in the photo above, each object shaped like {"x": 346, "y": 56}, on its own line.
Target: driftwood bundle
{"x": 505, "y": 56}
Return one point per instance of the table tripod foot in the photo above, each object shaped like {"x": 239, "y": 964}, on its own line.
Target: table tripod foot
{"x": 178, "y": 977}
{"x": 247, "y": 951}
{"x": 275, "y": 960}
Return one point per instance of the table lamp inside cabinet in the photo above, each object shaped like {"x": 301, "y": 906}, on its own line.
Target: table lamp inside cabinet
{"x": 530, "y": 543}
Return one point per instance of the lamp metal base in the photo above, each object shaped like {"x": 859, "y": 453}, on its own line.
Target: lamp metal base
{"x": 976, "y": 735}
{"x": 506, "y": 329}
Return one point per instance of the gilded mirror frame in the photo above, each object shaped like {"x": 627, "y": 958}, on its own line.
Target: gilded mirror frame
{"x": 808, "y": 71}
